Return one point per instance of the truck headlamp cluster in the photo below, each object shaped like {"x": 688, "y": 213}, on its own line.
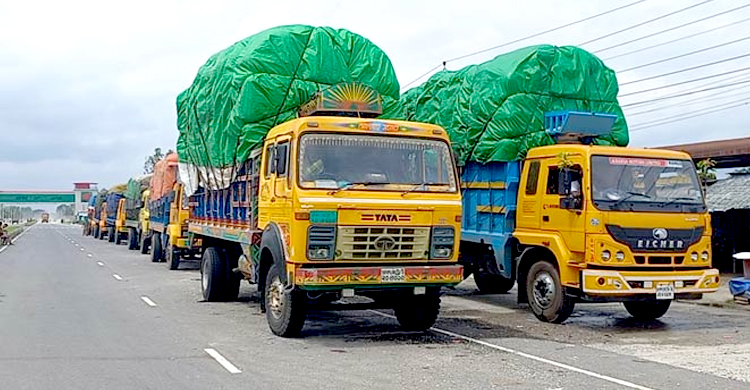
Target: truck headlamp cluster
{"x": 441, "y": 246}
{"x": 704, "y": 256}
{"x": 321, "y": 240}
{"x": 606, "y": 255}
{"x": 694, "y": 256}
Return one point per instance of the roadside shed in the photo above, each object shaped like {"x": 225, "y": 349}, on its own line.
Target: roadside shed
{"x": 729, "y": 203}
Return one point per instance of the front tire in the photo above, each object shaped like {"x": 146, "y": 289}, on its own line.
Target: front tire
{"x": 145, "y": 242}
{"x": 546, "y": 295}
{"x": 215, "y": 276}
{"x": 647, "y": 310}
{"x": 285, "y": 310}
{"x": 156, "y": 250}
{"x": 96, "y": 232}
{"x": 492, "y": 284}
{"x": 111, "y": 234}
{"x": 118, "y": 237}
{"x": 418, "y": 312}
{"x": 132, "y": 239}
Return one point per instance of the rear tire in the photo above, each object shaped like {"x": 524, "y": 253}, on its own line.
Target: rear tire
{"x": 213, "y": 275}
{"x": 546, "y": 295}
{"x": 132, "y": 239}
{"x": 118, "y": 237}
{"x": 418, "y": 312}
{"x": 492, "y": 284}
{"x": 96, "y": 232}
{"x": 171, "y": 256}
{"x": 156, "y": 251}
{"x": 285, "y": 310}
{"x": 102, "y": 233}
{"x": 647, "y": 310}
{"x": 145, "y": 242}
{"x": 111, "y": 234}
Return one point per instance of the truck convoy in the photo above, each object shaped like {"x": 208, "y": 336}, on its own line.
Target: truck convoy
{"x": 311, "y": 177}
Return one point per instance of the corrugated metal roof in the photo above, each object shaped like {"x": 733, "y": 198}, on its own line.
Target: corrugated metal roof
{"x": 730, "y": 193}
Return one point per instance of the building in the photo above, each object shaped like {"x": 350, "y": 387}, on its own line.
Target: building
{"x": 729, "y": 203}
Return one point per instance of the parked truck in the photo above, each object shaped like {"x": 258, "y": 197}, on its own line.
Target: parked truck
{"x": 576, "y": 222}
{"x": 130, "y": 212}
{"x": 110, "y": 218}
{"x": 168, "y": 216}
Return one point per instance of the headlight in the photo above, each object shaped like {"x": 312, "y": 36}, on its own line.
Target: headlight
{"x": 619, "y": 256}
{"x": 441, "y": 245}
{"x": 320, "y": 242}
{"x": 606, "y": 255}
{"x": 694, "y": 256}
{"x": 704, "y": 256}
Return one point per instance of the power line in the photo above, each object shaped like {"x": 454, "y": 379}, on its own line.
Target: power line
{"x": 669, "y": 118}
{"x": 678, "y": 39}
{"x": 686, "y": 55}
{"x": 524, "y": 38}
{"x": 670, "y": 29}
{"x": 700, "y": 88}
{"x": 716, "y": 96}
{"x": 646, "y": 22}
{"x": 688, "y": 117}
{"x": 684, "y": 82}
{"x": 684, "y": 94}
{"x": 549, "y": 31}
{"x": 687, "y": 69}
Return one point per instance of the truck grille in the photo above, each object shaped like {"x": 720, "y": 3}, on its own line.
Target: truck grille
{"x": 379, "y": 243}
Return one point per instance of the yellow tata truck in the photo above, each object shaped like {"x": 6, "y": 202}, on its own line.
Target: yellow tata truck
{"x": 334, "y": 204}
{"x": 576, "y": 222}
{"x": 121, "y": 230}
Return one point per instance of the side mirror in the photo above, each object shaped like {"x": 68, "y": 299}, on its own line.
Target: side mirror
{"x": 569, "y": 202}
{"x": 564, "y": 178}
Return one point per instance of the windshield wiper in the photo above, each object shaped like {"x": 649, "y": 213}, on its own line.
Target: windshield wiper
{"x": 349, "y": 185}
{"x": 629, "y": 195}
{"x": 422, "y": 185}
{"x": 674, "y": 200}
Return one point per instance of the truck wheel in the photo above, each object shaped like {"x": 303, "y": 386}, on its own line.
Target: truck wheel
{"x": 546, "y": 294}
{"x": 118, "y": 237}
{"x": 102, "y": 233}
{"x": 285, "y": 310}
{"x": 418, "y": 312}
{"x": 111, "y": 234}
{"x": 647, "y": 310}
{"x": 156, "y": 251}
{"x": 492, "y": 284}
{"x": 132, "y": 239}
{"x": 213, "y": 275}
{"x": 172, "y": 256}
{"x": 96, "y": 231}
{"x": 145, "y": 242}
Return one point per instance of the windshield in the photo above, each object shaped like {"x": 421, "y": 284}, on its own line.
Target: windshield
{"x": 643, "y": 184}
{"x": 335, "y": 161}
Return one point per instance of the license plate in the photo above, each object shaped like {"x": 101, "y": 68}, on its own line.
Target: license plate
{"x": 665, "y": 291}
{"x": 390, "y": 275}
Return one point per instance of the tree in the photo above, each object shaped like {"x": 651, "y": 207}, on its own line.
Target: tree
{"x": 65, "y": 210}
{"x": 706, "y": 171}
{"x": 148, "y": 166}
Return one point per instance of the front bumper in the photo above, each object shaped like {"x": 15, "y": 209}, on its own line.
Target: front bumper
{"x": 371, "y": 277}
{"x": 606, "y": 283}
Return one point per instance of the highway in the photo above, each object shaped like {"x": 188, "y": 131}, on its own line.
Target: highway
{"x": 79, "y": 313}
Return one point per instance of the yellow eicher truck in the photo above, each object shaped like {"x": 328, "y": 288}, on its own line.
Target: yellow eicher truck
{"x": 336, "y": 204}
{"x": 576, "y": 222}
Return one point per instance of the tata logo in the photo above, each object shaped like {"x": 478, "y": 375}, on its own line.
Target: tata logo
{"x": 385, "y": 243}
{"x": 386, "y": 218}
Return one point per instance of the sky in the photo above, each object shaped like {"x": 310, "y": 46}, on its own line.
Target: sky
{"x": 88, "y": 88}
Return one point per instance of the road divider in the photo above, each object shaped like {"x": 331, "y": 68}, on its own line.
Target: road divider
{"x": 223, "y": 361}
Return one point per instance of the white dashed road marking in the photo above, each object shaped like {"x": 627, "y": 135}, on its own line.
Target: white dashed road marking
{"x": 99, "y": 263}
{"x": 148, "y": 301}
{"x": 116, "y": 276}
{"x": 223, "y": 361}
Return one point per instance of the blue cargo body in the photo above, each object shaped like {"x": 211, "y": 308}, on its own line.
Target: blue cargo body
{"x": 159, "y": 210}
{"x": 113, "y": 201}
{"x": 490, "y": 194}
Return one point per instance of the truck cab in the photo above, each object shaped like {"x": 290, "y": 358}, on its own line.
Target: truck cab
{"x": 590, "y": 223}
{"x": 120, "y": 231}
{"x": 177, "y": 243}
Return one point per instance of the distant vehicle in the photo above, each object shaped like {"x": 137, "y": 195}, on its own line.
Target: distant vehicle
{"x": 45, "y": 217}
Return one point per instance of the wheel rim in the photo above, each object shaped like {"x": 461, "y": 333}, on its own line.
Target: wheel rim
{"x": 544, "y": 289}
{"x": 204, "y": 276}
{"x": 275, "y": 297}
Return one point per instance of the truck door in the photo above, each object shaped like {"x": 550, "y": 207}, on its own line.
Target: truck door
{"x": 276, "y": 187}
{"x": 568, "y": 222}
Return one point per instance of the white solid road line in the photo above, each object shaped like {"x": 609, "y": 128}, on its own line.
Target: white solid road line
{"x": 148, "y": 301}
{"x": 529, "y": 356}
{"x": 99, "y": 263}
{"x": 223, "y": 361}
{"x": 116, "y": 276}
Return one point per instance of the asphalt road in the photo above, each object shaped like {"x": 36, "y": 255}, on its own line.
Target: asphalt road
{"x": 79, "y": 313}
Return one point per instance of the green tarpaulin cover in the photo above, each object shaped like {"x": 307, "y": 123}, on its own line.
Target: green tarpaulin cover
{"x": 259, "y": 82}
{"x": 136, "y": 185}
{"x": 494, "y": 111}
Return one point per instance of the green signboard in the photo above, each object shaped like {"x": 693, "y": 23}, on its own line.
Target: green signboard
{"x": 61, "y": 197}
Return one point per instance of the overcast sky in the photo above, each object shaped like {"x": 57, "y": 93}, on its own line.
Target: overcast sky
{"x": 87, "y": 88}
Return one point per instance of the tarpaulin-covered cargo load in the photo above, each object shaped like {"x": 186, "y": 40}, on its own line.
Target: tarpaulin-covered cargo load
{"x": 164, "y": 177}
{"x": 113, "y": 199}
{"x": 136, "y": 186}
{"x": 259, "y": 82}
{"x": 494, "y": 111}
